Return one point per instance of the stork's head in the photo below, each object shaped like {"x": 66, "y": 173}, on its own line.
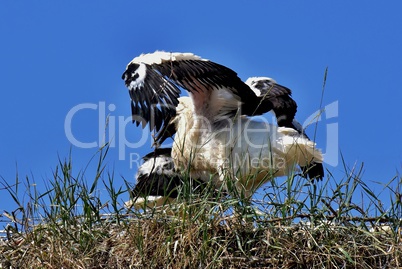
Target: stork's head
{"x": 259, "y": 85}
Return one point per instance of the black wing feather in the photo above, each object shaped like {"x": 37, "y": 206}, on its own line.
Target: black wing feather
{"x": 153, "y": 102}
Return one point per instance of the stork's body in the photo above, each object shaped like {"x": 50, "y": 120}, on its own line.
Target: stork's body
{"x": 245, "y": 151}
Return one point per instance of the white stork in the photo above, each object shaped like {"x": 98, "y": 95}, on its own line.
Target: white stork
{"x": 158, "y": 182}
{"x": 285, "y": 112}
{"x": 244, "y": 151}
{"x": 218, "y": 96}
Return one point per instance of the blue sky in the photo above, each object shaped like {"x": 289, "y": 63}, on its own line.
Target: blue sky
{"x": 57, "y": 57}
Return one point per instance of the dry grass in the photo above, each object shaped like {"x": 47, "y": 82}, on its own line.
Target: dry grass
{"x": 162, "y": 243}
{"x": 296, "y": 224}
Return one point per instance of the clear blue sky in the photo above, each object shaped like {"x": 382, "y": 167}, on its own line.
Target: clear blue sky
{"x": 57, "y": 57}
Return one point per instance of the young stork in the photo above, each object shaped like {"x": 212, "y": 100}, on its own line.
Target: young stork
{"x": 158, "y": 182}
{"x": 262, "y": 87}
{"x": 218, "y": 97}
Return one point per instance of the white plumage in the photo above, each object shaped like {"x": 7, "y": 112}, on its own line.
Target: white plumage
{"x": 243, "y": 150}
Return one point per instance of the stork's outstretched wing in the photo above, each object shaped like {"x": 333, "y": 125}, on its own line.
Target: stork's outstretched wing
{"x": 155, "y": 81}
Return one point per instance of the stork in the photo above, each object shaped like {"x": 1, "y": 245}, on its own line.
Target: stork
{"x": 158, "y": 182}
{"x": 241, "y": 152}
{"x": 282, "y": 109}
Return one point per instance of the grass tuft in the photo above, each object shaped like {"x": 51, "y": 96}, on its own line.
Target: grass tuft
{"x": 336, "y": 223}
